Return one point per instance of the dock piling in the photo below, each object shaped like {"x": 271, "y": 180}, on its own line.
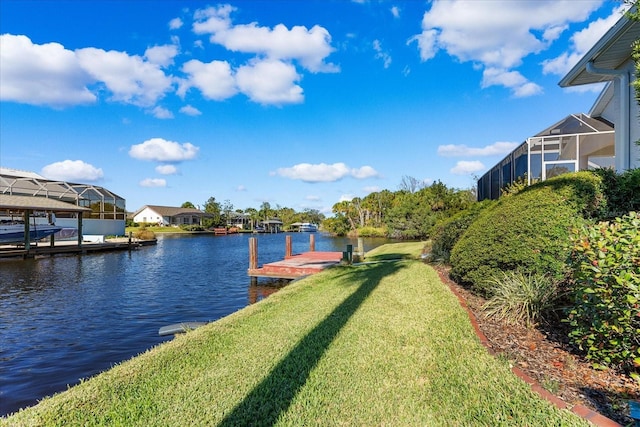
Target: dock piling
{"x": 288, "y": 247}
{"x": 312, "y": 242}
{"x": 253, "y": 253}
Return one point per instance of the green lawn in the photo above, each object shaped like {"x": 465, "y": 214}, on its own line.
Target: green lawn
{"x": 374, "y": 344}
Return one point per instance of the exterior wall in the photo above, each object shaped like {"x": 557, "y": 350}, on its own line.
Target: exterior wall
{"x": 149, "y": 216}
{"x": 634, "y": 113}
{"x": 634, "y": 126}
{"x": 105, "y": 227}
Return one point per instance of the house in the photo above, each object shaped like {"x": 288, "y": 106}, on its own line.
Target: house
{"x": 169, "y": 216}
{"x": 605, "y": 137}
{"x": 577, "y": 142}
{"x": 105, "y": 213}
{"x": 610, "y": 60}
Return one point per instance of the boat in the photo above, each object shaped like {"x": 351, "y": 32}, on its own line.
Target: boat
{"x": 13, "y": 232}
{"x": 308, "y": 227}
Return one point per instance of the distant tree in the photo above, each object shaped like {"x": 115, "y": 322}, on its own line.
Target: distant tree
{"x": 634, "y": 15}
{"x": 286, "y": 215}
{"x": 186, "y": 205}
{"x": 212, "y": 207}
{"x": 345, "y": 209}
{"x": 313, "y": 216}
{"x": 410, "y": 184}
{"x": 265, "y": 211}
{"x": 338, "y": 225}
{"x": 254, "y": 216}
{"x": 226, "y": 209}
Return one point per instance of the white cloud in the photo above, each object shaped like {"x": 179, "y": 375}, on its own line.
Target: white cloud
{"x": 161, "y": 150}
{"x": 214, "y": 79}
{"x": 162, "y": 113}
{"x": 190, "y": 110}
{"x": 161, "y": 55}
{"x": 380, "y": 54}
{"x": 395, "y": 11}
{"x": 372, "y": 189}
{"x": 175, "y": 24}
{"x": 166, "y": 169}
{"x": 464, "y": 167}
{"x": 346, "y": 198}
{"x": 73, "y": 171}
{"x": 510, "y": 79}
{"x": 580, "y": 43}
{"x": 309, "y": 47}
{"x": 323, "y": 172}
{"x": 313, "y": 198}
{"x": 364, "y": 172}
{"x": 241, "y": 188}
{"x": 270, "y": 82}
{"x": 46, "y": 74}
{"x": 498, "y": 34}
{"x": 461, "y": 150}
{"x": 130, "y": 79}
{"x": 153, "y": 182}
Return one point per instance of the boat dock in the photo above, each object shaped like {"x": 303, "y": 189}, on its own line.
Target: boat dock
{"x": 293, "y": 266}
{"x": 70, "y": 248}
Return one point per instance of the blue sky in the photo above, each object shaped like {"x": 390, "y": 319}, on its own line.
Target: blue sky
{"x": 296, "y": 103}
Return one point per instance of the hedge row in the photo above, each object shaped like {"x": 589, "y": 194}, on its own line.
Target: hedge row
{"x": 527, "y": 231}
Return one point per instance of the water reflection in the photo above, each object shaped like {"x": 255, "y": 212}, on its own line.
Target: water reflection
{"x": 259, "y": 291}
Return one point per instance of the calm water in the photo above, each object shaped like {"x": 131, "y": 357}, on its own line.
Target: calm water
{"x": 67, "y": 318}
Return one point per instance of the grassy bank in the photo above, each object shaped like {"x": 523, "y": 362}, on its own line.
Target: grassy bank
{"x": 377, "y": 344}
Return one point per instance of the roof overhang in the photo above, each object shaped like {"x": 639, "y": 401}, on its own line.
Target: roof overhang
{"x": 23, "y": 203}
{"x": 610, "y": 52}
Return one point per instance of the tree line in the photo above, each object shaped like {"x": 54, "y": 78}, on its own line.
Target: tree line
{"x": 224, "y": 213}
{"x": 409, "y": 213}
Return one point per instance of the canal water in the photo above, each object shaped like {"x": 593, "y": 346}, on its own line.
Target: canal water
{"x": 67, "y": 318}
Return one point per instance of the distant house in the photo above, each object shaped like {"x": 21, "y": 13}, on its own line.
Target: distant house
{"x": 603, "y": 138}
{"x": 169, "y": 216}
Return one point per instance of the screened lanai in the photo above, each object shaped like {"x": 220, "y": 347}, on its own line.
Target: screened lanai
{"x": 103, "y": 203}
{"x": 578, "y": 142}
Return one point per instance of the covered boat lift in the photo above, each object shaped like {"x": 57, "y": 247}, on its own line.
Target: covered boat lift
{"x": 25, "y": 206}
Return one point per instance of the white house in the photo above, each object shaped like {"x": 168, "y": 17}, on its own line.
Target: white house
{"x": 169, "y": 216}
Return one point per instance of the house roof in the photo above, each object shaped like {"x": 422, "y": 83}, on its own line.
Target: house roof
{"x": 22, "y": 203}
{"x": 576, "y": 124}
{"x": 172, "y": 211}
{"x": 610, "y": 52}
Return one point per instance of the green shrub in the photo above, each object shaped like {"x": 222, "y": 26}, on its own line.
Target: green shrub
{"x": 144, "y": 234}
{"x": 605, "y": 313}
{"x": 519, "y": 297}
{"x": 372, "y": 232}
{"x": 192, "y": 227}
{"x": 447, "y": 232}
{"x": 527, "y": 231}
{"x": 622, "y": 191}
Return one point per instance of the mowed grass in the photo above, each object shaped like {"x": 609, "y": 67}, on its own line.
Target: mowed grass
{"x": 404, "y": 250}
{"x": 374, "y": 344}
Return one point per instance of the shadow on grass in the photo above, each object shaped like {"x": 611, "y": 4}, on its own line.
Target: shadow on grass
{"x": 273, "y": 396}
{"x": 392, "y": 256}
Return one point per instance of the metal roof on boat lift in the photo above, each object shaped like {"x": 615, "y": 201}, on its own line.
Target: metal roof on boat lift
{"x": 22, "y": 203}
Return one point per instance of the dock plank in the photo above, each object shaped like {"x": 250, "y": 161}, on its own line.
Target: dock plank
{"x": 298, "y": 265}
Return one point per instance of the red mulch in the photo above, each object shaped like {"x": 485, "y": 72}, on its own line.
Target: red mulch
{"x": 545, "y": 354}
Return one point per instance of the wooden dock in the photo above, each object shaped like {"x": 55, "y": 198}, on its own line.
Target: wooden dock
{"x": 70, "y": 248}
{"x": 293, "y": 266}
{"x": 299, "y": 265}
